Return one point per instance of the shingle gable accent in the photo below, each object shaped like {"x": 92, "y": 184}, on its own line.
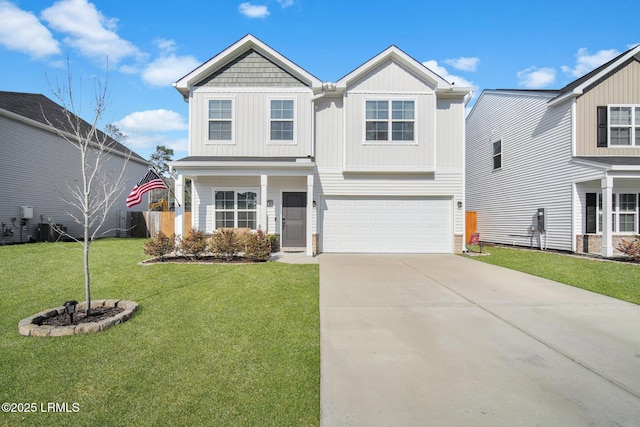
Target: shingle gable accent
{"x": 251, "y": 69}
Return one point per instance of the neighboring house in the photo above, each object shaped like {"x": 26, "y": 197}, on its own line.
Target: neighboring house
{"x": 570, "y": 156}
{"x": 371, "y": 163}
{"x": 35, "y": 161}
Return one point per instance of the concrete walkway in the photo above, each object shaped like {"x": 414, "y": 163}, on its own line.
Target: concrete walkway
{"x": 441, "y": 340}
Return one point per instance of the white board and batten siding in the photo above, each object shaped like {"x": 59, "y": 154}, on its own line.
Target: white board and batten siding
{"x": 251, "y": 81}
{"x": 390, "y": 81}
{"x": 251, "y": 124}
{"x": 393, "y": 197}
{"x": 537, "y": 171}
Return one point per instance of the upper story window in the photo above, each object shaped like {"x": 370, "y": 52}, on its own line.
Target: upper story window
{"x": 220, "y": 120}
{"x": 390, "y": 120}
{"x": 497, "y": 155}
{"x": 619, "y": 126}
{"x": 281, "y": 120}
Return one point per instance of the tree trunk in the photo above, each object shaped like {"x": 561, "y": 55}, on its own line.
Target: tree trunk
{"x": 87, "y": 276}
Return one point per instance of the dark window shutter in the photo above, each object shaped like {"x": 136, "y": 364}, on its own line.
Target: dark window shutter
{"x": 602, "y": 126}
{"x": 591, "y": 212}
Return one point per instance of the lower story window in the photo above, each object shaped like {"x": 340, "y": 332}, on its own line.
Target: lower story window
{"x": 236, "y": 209}
{"x": 624, "y": 212}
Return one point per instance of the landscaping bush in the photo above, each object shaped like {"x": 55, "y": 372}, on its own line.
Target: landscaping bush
{"x": 226, "y": 243}
{"x": 631, "y": 248}
{"x": 160, "y": 245}
{"x": 194, "y": 244}
{"x": 257, "y": 246}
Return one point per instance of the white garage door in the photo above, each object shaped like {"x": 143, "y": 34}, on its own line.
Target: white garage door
{"x": 387, "y": 225}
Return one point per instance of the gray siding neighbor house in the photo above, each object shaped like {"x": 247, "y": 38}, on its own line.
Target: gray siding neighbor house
{"x": 35, "y": 160}
{"x": 559, "y": 169}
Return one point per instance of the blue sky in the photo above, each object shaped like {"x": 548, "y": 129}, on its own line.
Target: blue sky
{"x": 148, "y": 45}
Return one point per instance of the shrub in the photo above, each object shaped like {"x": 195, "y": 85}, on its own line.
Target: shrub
{"x": 226, "y": 244}
{"x": 257, "y": 246}
{"x": 194, "y": 243}
{"x": 160, "y": 245}
{"x": 631, "y": 248}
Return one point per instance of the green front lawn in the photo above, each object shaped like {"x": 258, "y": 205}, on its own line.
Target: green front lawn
{"x": 210, "y": 345}
{"x": 615, "y": 279}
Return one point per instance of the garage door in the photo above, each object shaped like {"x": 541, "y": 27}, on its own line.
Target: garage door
{"x": 387, "y": 225}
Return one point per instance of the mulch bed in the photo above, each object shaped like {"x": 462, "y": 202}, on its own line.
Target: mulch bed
{"x": 80, "y": 316}
{"x": 208, "y": 259}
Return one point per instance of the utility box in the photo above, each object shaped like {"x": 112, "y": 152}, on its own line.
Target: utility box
{"x": 541, "y": 221}
{"x": 26, "y": 212}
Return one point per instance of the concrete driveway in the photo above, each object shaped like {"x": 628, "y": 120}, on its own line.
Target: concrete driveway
{"x": 441, "y": 340}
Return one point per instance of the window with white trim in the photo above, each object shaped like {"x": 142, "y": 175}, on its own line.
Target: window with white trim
{"x": 281, "y": 120}
{"x": 236, "y": 209}
{"x": 624, "y": 213}
{"x": 619, "y": 126}
{"x": 497, "y": 154}
{"x": 390, "y": 120}
{"x": 220, "y": 120}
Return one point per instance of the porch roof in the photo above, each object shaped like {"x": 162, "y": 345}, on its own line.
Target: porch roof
{"x": 613, "y": 163}
{"x": 214, "y": 165}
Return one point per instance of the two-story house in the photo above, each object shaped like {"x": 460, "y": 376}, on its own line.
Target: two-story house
{"x": 38, "y": 167}
{"x": 559, "y": 169}
{"x": 371, "y": 163}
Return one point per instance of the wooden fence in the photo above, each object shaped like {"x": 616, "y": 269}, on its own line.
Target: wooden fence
{"x": 165, "y": 222}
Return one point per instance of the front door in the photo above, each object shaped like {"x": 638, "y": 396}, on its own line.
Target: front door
{"x": 294, "y": 221}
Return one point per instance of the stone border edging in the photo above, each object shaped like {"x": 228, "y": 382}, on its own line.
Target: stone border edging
{"x": 31, "y": 325}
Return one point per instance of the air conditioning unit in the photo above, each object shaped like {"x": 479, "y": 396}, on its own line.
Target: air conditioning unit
{"x": 49, "y": 232}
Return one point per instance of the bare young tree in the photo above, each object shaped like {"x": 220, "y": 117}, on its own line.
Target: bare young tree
{"x": 90, "y": 200}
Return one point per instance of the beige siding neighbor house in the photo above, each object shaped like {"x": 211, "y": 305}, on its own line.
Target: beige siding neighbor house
{"x": 559, "y": 169}
{"x": 371, "y": 163}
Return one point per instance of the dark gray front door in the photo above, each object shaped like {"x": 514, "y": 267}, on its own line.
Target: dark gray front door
{"x": 294, "y": 220}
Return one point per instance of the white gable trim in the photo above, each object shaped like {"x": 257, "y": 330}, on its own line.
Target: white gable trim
{"x": 579, "y": 90}
{"x": 395, "y": 54}
{"x": 184, "y": 85}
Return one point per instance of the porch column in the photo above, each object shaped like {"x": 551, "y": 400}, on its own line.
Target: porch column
{"x": 179, "y": 205}
{"x": 310, "y": 215}
{"x": 263, "y": 224}
{"x": 607, "y": 200}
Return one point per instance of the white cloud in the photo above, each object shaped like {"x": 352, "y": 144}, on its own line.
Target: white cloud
{"x": 464, "y": 63}
{"x": 166, "y": 45}
{"x": 167, "y": 69}
{"x": 152, "y": 121}
{"x": 147, "y": 142}
{"x": 23, "y": 32}
{"x": 586, "y": 62}
{"x": 89, "y": 31}
{"x": 253, "y": 10}
{"x": 147, "y": 129}
{"x": 536, "y": 78}
{"x": 442, "y": 72}
{"x": 285, "y": 3}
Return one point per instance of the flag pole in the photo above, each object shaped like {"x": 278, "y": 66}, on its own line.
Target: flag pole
{"x": 171, "y": 192}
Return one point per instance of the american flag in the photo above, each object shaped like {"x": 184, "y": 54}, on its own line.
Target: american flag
{"x": 150, "y": 181}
